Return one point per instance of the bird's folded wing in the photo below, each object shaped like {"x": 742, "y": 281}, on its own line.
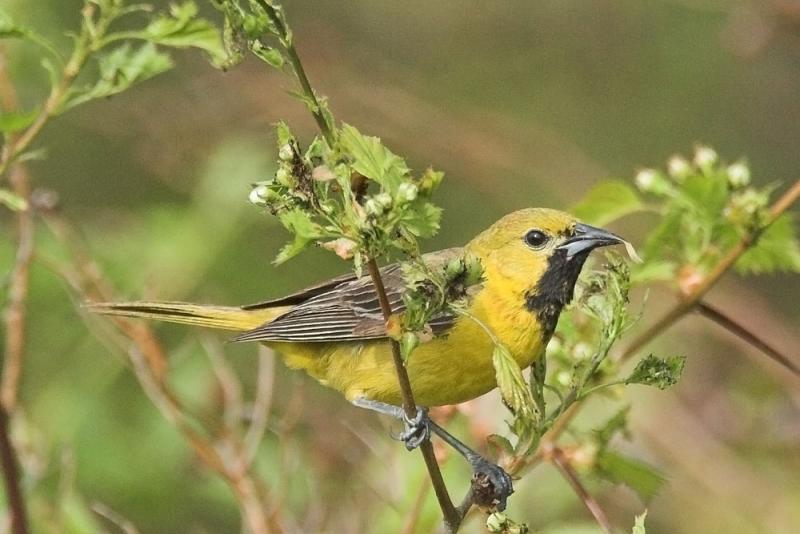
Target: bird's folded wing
{"x": 341, "y": 309}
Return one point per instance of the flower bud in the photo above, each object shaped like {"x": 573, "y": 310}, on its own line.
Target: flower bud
{"x": 258, "y": 195}
{"x": 738, "y": 175}
{"x": 286, "y": 152}
{"x": 679, "y": 168}
{"x": 373, "y": 207}
{"x": 705, "y": 157}
{"x": 284, "y": 177}
{"x": 407, "y": 192}
{"x": 384, "y": 199}
{"x": 651, "y": 181}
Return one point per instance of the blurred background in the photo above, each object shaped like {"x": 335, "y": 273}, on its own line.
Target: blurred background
{"x": 521, "y": 104}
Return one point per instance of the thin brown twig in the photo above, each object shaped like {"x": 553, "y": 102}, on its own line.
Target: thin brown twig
{"x": 562, "y": 462}
{"x": 15, "y": 321}
{"x": 262, "y": 405}
{"x": 728, "y": 323}
{"x": 150, "y": 365}
{"x": 11, "y": 476}
{"x": 452, "y": 517}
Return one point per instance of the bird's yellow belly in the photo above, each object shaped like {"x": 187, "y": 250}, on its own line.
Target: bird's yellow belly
{"x": 447, "y": 370}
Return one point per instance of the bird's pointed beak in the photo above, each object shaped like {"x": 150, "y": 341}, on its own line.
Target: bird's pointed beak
{"x": 587, "y": 238}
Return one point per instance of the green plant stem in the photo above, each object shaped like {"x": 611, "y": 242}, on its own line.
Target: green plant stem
{"x": 80, "y": 54}
{"x": 689, "y": 302}
{"x": 297, "y": 65}
{"x": 452, "y": 517}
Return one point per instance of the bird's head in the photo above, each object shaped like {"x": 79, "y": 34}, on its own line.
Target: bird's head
{"x": 541, "y": 252}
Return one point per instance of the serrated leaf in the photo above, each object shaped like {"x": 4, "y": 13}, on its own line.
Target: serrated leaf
{"x": 658, "y": 372}
{"x": 181, "y": 28}
{"x": 304, "y": 230}
{"x": 513, "y": 388}
{"x": 777, "y": 249}
{"x": 638, "y": 524}
{"x": 268, "y": 54}
{"x": 501, "y": 443}
{"x": 606, "y": 202}
{"x": 423, "y": 219}
{"x": 12, "y": 201}
{"x": 14, "y": 121}
{"x": 708, "y": 193}
{"x": 641, "y": 477}
{"x": 372, "y": 159}
{"x": 120, "y": 69}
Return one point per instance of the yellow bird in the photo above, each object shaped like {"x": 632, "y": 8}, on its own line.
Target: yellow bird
{"x": 335, "y": 331}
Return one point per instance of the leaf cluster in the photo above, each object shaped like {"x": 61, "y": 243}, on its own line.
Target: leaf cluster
{"x": 705, "y": 206}
{"x": 313, "y": 196}
{"x": 122, "y": 59}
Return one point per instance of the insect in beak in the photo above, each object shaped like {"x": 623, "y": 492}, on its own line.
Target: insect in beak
{"x": 587, "y": 238}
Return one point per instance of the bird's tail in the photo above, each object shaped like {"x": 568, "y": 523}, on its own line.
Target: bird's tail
{"x": 224, "y": 317}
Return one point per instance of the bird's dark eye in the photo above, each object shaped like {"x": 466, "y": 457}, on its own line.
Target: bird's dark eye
{"x": 536, "y": 238}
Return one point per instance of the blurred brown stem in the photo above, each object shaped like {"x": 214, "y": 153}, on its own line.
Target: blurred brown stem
{"x": 11, "y": 478}
{"x": 564, "y": 466}
{"x": 718, "y": 316}
{"x": 150, "y": 365}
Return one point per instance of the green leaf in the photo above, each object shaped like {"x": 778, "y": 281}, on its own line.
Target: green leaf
{"x": 181, "y": 28}
{"x": 14, "y": 121}
{"x": 606, "y": 202}
{"x": 658, "y": 372}
{"x": 268, "y": 54}
{"x": 638, "y": 525}
{"x": 122, "y": 68}
{"x": 652, "y": 271}
{"x": 641, "y": 477}
{"x": 304, "y": 230}
{"x": 12, "y": 201}
{"x": 423, "y": 221}
{"x": 515, "y": 393}
{"x": 10, "y": 29}
{"x": 776, "y": 250}
{"x": 372, "y": 159}
{"x": 617, "y": 424}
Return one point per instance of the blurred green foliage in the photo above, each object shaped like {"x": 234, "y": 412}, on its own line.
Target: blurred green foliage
{"x": 522, "y": 104}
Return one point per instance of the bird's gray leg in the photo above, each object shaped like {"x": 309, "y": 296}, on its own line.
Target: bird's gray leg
{"x": 416, "y": 431}
{"x": 419, "y": 429}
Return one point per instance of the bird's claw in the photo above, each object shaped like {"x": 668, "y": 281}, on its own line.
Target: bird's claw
{"x": 491, "y": 485}
{"x": 416, "y": 431}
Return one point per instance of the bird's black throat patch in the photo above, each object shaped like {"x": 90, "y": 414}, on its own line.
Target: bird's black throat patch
{"x": 555, "y": 289}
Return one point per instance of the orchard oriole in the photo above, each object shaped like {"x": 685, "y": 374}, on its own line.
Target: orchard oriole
{"x": 335, "y": 331}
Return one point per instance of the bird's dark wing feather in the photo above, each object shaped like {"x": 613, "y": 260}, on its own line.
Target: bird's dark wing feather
{"x": 341, "y": 309}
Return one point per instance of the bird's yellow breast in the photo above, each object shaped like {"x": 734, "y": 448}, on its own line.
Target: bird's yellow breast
{"x": 452, "y": 368}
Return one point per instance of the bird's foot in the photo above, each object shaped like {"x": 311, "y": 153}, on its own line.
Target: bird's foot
{"x": 417, "y": 429}
{"x": 491, "y": 485}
